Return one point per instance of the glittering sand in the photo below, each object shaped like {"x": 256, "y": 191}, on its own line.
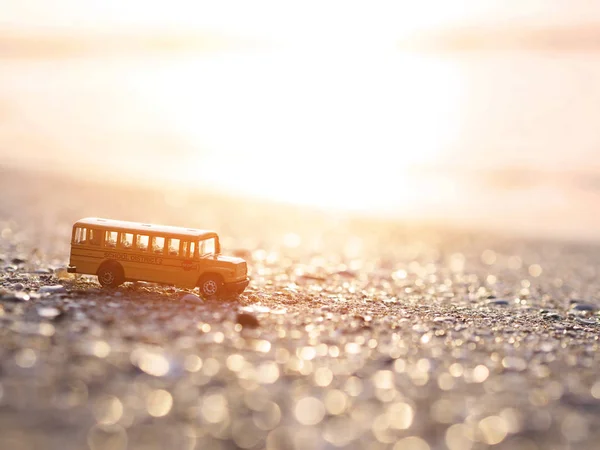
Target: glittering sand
{"x": 354, "y": 333}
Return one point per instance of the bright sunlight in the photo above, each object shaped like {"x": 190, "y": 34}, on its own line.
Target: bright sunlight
{"x": 328, "y": 129}
{"x": 327, "y": 112}
{"x": 312, "y": 103}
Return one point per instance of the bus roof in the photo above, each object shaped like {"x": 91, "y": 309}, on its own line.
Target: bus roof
{"x": 141, "y": 227}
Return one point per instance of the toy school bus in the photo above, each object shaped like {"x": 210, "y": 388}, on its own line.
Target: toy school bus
{"x": 118, "y": 251}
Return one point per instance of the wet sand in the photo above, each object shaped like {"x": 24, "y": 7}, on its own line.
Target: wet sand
{"x": 354, "y": 333}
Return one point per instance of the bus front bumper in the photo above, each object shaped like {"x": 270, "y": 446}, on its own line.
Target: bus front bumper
{"x": 237, "y": 287}
{"x": 71, "y": 269}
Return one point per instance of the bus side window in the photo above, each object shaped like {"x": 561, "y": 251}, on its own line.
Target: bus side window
{"x": 80, "y": 235}
{"x": 188, "y": 249}
{"x": 184, "y": 249}
{"x": 158, "y": 244}
{"x": 94, "y": 236}
{"x": 126, "y": 240}
{"x": 173, "y": 246}
{"x": 141, "y": 242}
{"x": 110, "y": 238}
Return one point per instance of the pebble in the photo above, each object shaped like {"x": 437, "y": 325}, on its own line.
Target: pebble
{"x": 48, "y": 312}
{"x": 444, "y": 319}
{"x": 191, "y": 298}
{"x": 18, "y": 296}
{"x": 18, "y": 286}
{"x": 583, "y": 307}
{"x": 551, "y": 316}
{"x": 56, "y": 289}
{"x": 497, "y": 302}
{"x": 586, "y": 321}
{"x": 247, "y": 320}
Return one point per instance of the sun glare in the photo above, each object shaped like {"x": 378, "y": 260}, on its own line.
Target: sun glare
{"x": 324, "y": 110}
{"x": 328, "y": 113}
{"x": 338, "y": 129}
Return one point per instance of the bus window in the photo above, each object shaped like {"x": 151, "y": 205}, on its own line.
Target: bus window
{"x": 158, "y": 244}
{"x": 190, "y": 249}
{"x": 141, "y": 242}
{"x": 207, "y": 246}
{"x": 80, "y": 236}
{"x": 126, "y": 240}
{"x": 173, "y": 246}
{"x": 94, "y": 236}
{"x": 110, "y": 238}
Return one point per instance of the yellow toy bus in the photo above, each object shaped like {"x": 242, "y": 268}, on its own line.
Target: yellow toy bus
{"x": 118, "y": 251}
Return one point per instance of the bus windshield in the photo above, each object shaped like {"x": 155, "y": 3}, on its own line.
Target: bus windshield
{"x": 208, "y": 246}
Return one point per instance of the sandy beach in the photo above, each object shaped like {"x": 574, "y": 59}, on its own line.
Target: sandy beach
{"x": 354, "y": 333}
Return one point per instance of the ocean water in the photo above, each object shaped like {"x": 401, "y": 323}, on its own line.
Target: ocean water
{"x": 507, "y": 140}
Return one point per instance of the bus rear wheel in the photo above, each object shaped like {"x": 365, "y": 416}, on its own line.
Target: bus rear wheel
{"x": 110, "y": 275}
{"x": 210, "y": 285}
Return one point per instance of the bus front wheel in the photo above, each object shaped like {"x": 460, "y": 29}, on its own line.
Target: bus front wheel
{"x": 110, "y": 275}
{"x": 210, "y": 285}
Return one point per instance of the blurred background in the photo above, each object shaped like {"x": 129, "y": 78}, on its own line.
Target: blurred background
{"x": 470, "y": 113}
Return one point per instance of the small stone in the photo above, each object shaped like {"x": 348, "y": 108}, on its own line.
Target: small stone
{"x": 18, "y": 286}
{"x": 18, "y": 260}
{"x": 56, "y": 289}
{"x": 444, "y": 319}
{"x": 583, "y": 307}
{"x": 19, "y": 296}
{"x": 497, "y": 302}
{"x": 549, "y": 315}
{"x": 48, "y": 312}
{"x": 247, "y": 320}
{"x": 191, "y": 298}
{"x": 586, "y": 321}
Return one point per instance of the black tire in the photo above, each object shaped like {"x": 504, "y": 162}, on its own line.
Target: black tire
{"x": 210, "y": 285}
{"x": 110, "y": 275}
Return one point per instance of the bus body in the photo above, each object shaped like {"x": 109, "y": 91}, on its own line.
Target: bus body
{"x": 118, "y": 251}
